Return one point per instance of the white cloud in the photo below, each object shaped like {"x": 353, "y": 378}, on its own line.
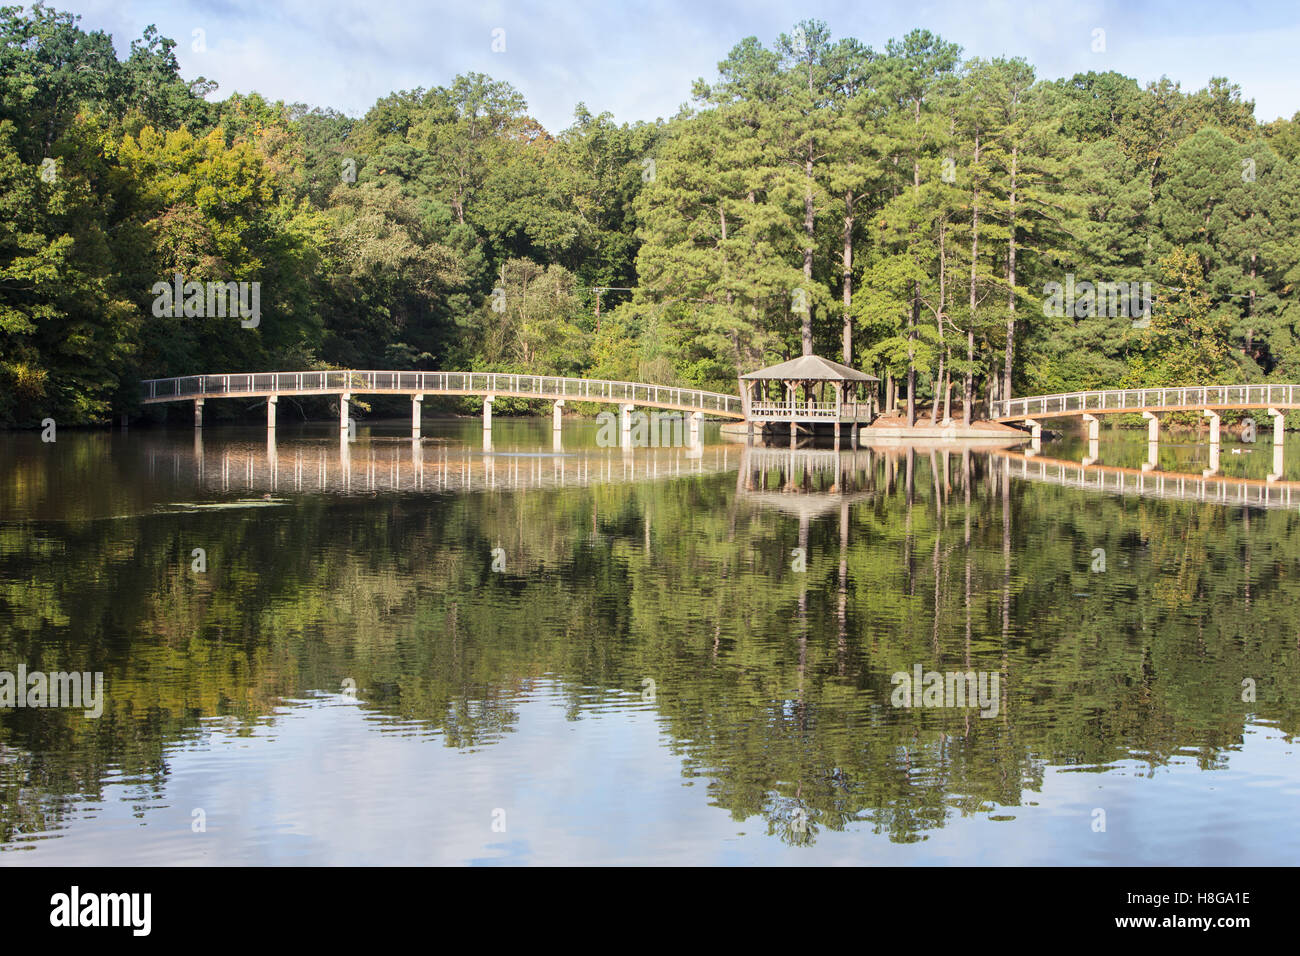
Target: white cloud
{"x": 638, "y": 59}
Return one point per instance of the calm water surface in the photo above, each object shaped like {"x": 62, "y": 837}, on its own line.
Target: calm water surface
{"x": 559, "y": 653}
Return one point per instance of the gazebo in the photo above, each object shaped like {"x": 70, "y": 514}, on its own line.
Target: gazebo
{"x": 832, "y": 395}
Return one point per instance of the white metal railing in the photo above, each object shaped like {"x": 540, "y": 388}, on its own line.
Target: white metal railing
{"x": 1215, "y": 489}
{"x": 450, "y": 383}
{"x": 805, "y": 411}
{"x": 798, "y": 409}
{"x": 1147, "y": 399}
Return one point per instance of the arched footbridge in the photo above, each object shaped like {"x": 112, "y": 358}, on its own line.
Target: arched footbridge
{"x": 1208, "y": 400}
{"x": 490, "y": 385}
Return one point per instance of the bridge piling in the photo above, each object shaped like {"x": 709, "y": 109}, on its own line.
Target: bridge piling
{"x": 1153, "y": 456}
{"x": 198, "y": 413}
{"x": 1153, "y": 427}
{"x": 1153, "y": 441}
{"x": 344, "y": 398}
{"x": 416, "y": 406}
{"x": 1094, "y": 426}
{"x": 271, "y": 401}
{"x": 1035, "y": 435}
{"x": 1213, "y": 416}
{"x": 487, "y": 414}
{"x": 1214, "y": 462}
{"x": 1279, "y": 431}
{"x": 557, "y": 410}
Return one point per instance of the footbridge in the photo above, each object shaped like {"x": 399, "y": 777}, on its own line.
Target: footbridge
{"x": 1207, "y": 400}
{"x": 490, "y": 385}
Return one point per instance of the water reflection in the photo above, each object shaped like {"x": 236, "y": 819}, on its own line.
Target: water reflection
{"x": 392, "y": 464}
{"x": 648, "y": 650}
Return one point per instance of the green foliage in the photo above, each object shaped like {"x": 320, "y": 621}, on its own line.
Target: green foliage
{"x": 899, "y": 208}
{"x": 1187, "y": 340}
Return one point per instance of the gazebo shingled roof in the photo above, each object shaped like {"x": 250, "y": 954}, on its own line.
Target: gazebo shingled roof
{"x": 810, "y": 368}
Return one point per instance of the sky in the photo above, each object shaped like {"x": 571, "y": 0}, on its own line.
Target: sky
{"x": 637, "y": 59}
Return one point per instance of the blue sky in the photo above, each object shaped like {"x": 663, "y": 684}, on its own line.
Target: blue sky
{"x": 637, "y": 59}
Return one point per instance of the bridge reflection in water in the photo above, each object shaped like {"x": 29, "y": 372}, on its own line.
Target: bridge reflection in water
{"x": 805, "y": 483}
{"x": 405, "y": 465}
{"x": 1145, "y": 482}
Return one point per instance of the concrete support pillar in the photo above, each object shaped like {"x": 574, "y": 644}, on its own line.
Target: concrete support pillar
{"x": 1214, "y": 461}
{"x": 625, "y": 428}
{"x": 1093, "y": 452}
{"x": 693, "y": 432}
{"x": 1279, "y": 430}
{"x": 1214, "y": 442}
{"x": 853, "y": 436}
{"x": 198, "y": 413}
{"x": 487, "y": 412}
{"x": 1276, "y": 473}
{"x": 1214, "y": 424}
{"x": 417, "y": 405}
{"x": 271, "y": 402}
{"x": 557, "y": 411}
{"x": 1153, "y": 442}
{"x": 1153, "y": 428}
{"x": 1094, "y": 427}
{"x": 1035, "y": 436}
{"x": 345, "y": 460}
{"x": 343, "y": 414}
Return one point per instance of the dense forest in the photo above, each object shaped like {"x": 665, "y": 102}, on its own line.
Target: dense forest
{"x": 903, "y": 209}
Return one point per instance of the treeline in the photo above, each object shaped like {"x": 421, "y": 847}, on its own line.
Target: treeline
{"x": 902, "y": 209}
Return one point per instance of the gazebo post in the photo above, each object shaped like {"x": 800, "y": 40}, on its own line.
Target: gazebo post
{"x": 839, "y": 388}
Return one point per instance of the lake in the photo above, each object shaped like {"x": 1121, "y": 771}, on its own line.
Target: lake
{"x": 549, "y": 651}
